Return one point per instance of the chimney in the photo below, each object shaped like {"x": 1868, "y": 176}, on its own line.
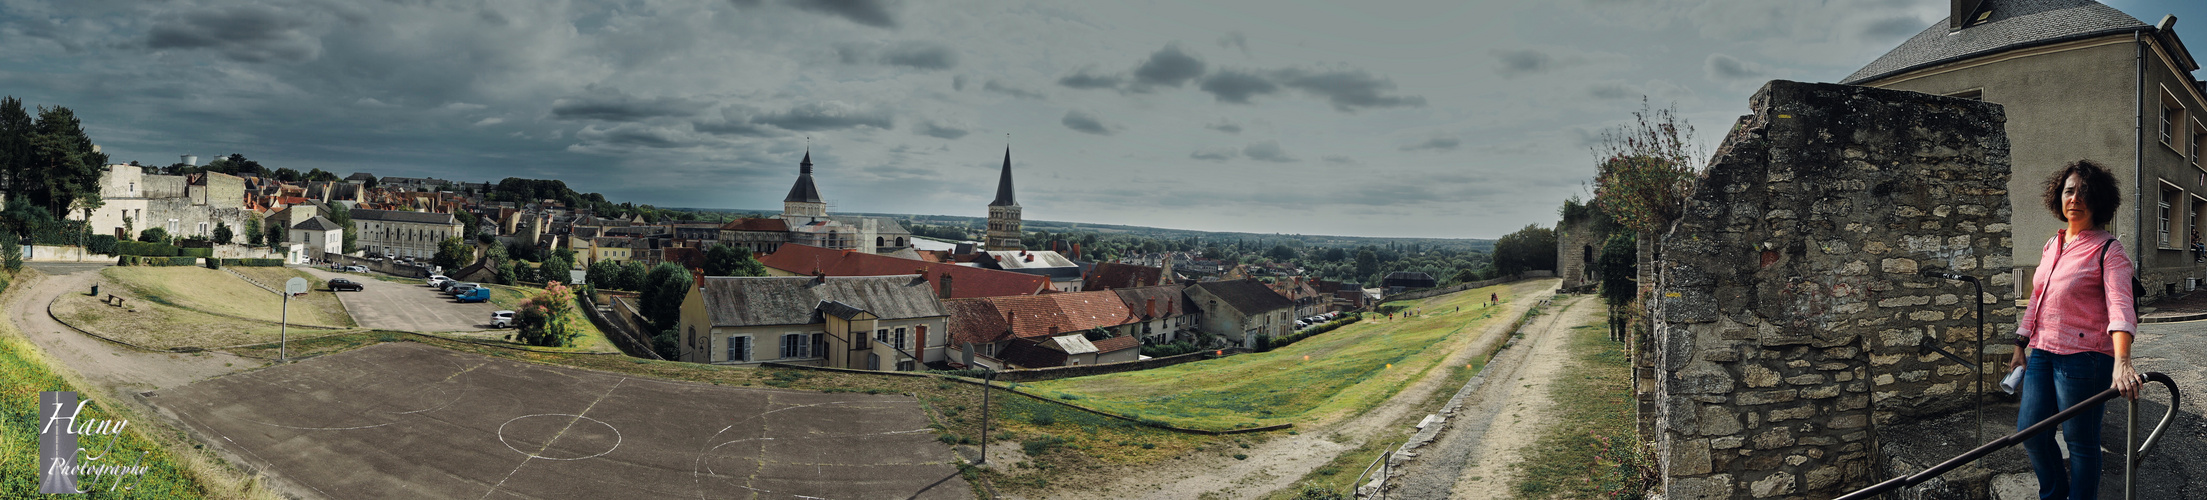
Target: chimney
{"x": 819, "y": 277}
{"x": 943, "y": 290}
{"x": 1150, "y": 309}
{"x": 1961, "y": 13}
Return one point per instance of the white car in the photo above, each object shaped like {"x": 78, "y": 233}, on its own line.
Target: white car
{"x": 501, "y": 319}
{"x": 436, "y": 279}
{"x": 356, "y": 269}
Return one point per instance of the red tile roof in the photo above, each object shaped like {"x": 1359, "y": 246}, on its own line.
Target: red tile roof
{"x": 966, "y": 282}
{"x": 994, "y": 319}
{"x": 1107, "y": 275}
{"x": 774, "y": 225}
{"x": 1115, "y": 344}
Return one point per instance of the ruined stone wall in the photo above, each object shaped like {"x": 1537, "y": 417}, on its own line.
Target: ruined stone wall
{"x": 1573, "y": 244}
{"x": 1790, "y": 312}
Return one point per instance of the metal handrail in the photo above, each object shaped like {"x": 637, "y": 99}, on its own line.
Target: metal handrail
{"x": 1379, "y": 463}
{"x": 2134, "y": 455}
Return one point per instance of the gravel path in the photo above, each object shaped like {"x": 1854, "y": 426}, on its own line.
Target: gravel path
{"x": 1508, "y": 411}
{"x": 115, "y": 371}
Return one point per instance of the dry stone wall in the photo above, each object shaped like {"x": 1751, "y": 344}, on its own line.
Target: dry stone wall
{"x": 1789, "y": 315}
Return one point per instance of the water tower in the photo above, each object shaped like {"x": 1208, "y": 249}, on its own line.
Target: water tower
{"x": 192, "y": 160}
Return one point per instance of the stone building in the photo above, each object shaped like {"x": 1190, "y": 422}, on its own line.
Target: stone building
{"x": 401, "y": 234}
{"x": 1004, "y": 222}
{"x": 1790, "y": 319}
{"x": 181, "y": 205}
{"x": 805, "y": 214}
{"x": 867, "y": 322}
{"x": 319, "y": 235}
{"x": 2079, "y": 80}
{"x": 1242, "y": 310}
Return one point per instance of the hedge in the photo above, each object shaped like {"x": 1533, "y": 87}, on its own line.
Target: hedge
{"x": 253, "y": 262}
{"x": 145, "y": 249}
{"x": 196, "y": 252}
{"x": 102, "y": 244}
{"x": 139, "y": 260}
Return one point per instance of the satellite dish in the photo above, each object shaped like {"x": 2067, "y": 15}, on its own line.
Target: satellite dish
{"x": 295, "y": 286}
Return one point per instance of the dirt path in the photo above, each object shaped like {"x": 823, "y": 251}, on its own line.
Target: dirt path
{"x": 1278, "y": 463}
{"x": 1506, "y": 414}
{"x": 115, "y": 370}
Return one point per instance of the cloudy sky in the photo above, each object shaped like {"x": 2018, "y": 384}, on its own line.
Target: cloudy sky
{"x": 1369, "y": 118}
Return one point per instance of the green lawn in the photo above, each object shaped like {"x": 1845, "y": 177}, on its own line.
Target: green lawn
{"x": 1320, "y": 379}
{"x": 1592, "y": 450}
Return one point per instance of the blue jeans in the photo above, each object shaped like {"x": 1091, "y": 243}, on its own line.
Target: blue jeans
{"x": 2052, "y": 383}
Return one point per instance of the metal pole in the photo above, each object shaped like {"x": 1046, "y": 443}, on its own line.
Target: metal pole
{"x": 988, "y": 379}
{"x": 1980, "y": 355}
{"x": 2130, "y": 449}
{"x": 283, "y": 338}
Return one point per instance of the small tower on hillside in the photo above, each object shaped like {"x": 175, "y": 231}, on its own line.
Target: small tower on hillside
{"x": 804, "y": 198}
{"x": 1004, "y": 213}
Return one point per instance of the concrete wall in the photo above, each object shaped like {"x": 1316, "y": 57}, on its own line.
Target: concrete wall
{"x": 1789, "y": 312}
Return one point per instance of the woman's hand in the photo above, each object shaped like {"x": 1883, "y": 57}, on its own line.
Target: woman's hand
{"x": 2019, "y": 359}
{"x": 2127, "y": 379}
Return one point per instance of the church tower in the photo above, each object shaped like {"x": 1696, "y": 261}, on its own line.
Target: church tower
{"x": 804, "y": 199}
{"x": 1004, "y": 214}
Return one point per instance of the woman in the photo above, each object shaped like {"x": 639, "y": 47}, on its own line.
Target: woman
{"x": 2075, "y": 337}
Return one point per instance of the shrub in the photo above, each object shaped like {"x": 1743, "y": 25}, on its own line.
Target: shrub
{"x": 253, "y": 262}
{"x": 196, "y": 252}
{"x": 102, "y": 244}
{"x": 544, "y": 320}
{"x": 1040, "y": 445}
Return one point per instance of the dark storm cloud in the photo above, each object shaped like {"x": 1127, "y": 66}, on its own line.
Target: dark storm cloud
{"x": 1237, "y": 86}
{"x": 958, "y": 83}
{"x": 1084, "y": 121}
{"x": 1215, "y": 154}
{"x": 1085, "y": 79}
{"x": 1724, "y": 67}
{"x": 1267, "y": 151}
{"x": 243, "y": 33}
{"x": 942, "y": 130}
{"x": 615, "y": 106}
{"x": 1894, "y": 27}
{"x": 1224, "y": 126}
{"x": 876, "y": 13}
{"x": 1235, "y": 40}
{"x": 1612, "y": 90}
{"x": 633, "y": 135}
{"x": 1347, "y": 89}
{"x": 1000, "y": 87}
{"x": 829, "y": 115}
{"x": 1436, "y": 143}
{"x": 922, "y": 55}
{"x": 1513, "y": 62}
{"x": 1168, "y": 67}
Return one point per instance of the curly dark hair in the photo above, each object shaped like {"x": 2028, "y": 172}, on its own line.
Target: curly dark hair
{"x": 2100, "y": 192}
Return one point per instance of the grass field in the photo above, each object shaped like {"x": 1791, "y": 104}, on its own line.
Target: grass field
{"x": 218, "y": 292}
{"x": 1317, "y": 380}
{"x": 25, "y": 371}
{"x": 1592, "y": 449}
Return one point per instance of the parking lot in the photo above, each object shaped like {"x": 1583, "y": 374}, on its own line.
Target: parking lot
{"x": 405, "y": 420}
{"x": 407, "y": 306}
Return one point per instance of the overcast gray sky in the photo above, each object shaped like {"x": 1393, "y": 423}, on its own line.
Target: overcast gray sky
{"x": 1369, "y": 118}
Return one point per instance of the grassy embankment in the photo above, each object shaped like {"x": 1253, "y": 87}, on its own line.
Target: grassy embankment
{"x": 1315, "y": 381}
{"x": 177, "y": 307}
{"x": 1592, "y": 450}
{"x": 174, "y": 468}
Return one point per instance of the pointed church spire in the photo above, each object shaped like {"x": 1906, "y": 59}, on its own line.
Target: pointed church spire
{"x": 1004, "y": 186}
{"x": 804, "y": 191}
{"x": 805, "y": 167}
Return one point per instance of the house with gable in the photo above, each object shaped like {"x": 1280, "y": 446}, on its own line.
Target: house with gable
{"x": 949, "y": 280}
{"x": 1057, "y": 329}
{"x": 1242, "y": 310}
{"x": 861, "y": 322}
{"x": 1164, "y": 313}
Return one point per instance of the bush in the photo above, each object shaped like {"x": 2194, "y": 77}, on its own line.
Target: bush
{"x": 154, "y": 235}
{"x": 1172, "y": 349}
{"x": 145, "y": 249}
{"x": 253, "y": 262}
{"x": 102, "y": 244}
{"x": 140, "y": 260}
{"x": 195, "y": 252}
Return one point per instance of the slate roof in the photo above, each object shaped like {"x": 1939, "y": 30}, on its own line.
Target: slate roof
{"x": 1246, "y": 295}
{"x": 405, "y": 216}
{"x": 798, "y": 300}
{"x": 762, "y": 224}
{"x": 994, "y": 319}
{"x": 2014, "y": 24}
{"x": 966, "y": 282}
{"x": 804, "y": 191}
{"x": 1171, "y": 301}
{"x": 1108, "y": 275}
{"x": 1004, "y": 185}
{"x": 318, "y": 223}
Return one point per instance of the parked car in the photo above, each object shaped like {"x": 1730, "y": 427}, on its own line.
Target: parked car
{"x": 463, "y": 288}
{"x": 356, "y": 269}
{"x": 474, "y": 295}
{"x": 437, "y": 279}
{"x": 501, "y": 319}
{"x": 342, "y": 285}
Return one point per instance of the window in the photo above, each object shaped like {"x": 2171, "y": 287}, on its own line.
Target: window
{"x": 907, "y": 365}
{"x": 796, "y": 346}
{"x": 899, "y": 338}
{"x": 2172, "y": 117}
{"x": 2199, "y": 136}
{"x": 858, "y": 341}
{"x": 739, "y": 348}
{"x": 820, "y": 345}
{"x": 2168, "y": 212}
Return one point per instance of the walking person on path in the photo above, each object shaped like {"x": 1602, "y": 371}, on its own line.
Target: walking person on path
{"x": 2074, "y": 339}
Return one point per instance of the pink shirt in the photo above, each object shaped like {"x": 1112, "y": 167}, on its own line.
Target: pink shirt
{"x": 2075, "y": 300}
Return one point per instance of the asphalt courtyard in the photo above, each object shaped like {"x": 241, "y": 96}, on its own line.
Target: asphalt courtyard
{"x": 411, "y": 307}
{"x": 405, "y": 420}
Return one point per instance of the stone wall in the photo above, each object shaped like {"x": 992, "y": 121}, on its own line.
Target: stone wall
{"x": 1790, "y": 312}
{"x": 1578, "y": 250}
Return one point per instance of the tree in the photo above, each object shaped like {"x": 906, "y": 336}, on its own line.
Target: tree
{"x": 1367, "y": 262}
{"x": 631, "y": 277}
{"x": 554, "y": 268}
{"x": 222, "y": 233}
{"x": 663, "y": 290}
{"x": 1644, "y": 170}
{"x": 253, "y": 234}
{"x": 154, "y": 235}
{"x": 1529, "y": 249}
{"x": 62, "y": 166}
{"x": 544, "y": 319}
{"x": 12, "y": 260}
{"x": 287, "y": 175}
{"x": 276, "y": 234}
{"x": 344, "y": 218}
{"x": 16, "y": 129}
{"x": 602, "y": 274}
{"x": 1335, "y": 254}
{"x": 453, "y": 253}
{"x": 1619, "y": 264}
{"x": 724, "y": 260}
{"x": 1281, "y": 253}
{"x": 506, "y": 273}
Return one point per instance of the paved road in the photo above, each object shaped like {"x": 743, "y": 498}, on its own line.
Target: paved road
{"x": 407, "y": 307}
{"x": 405, "y": 420}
